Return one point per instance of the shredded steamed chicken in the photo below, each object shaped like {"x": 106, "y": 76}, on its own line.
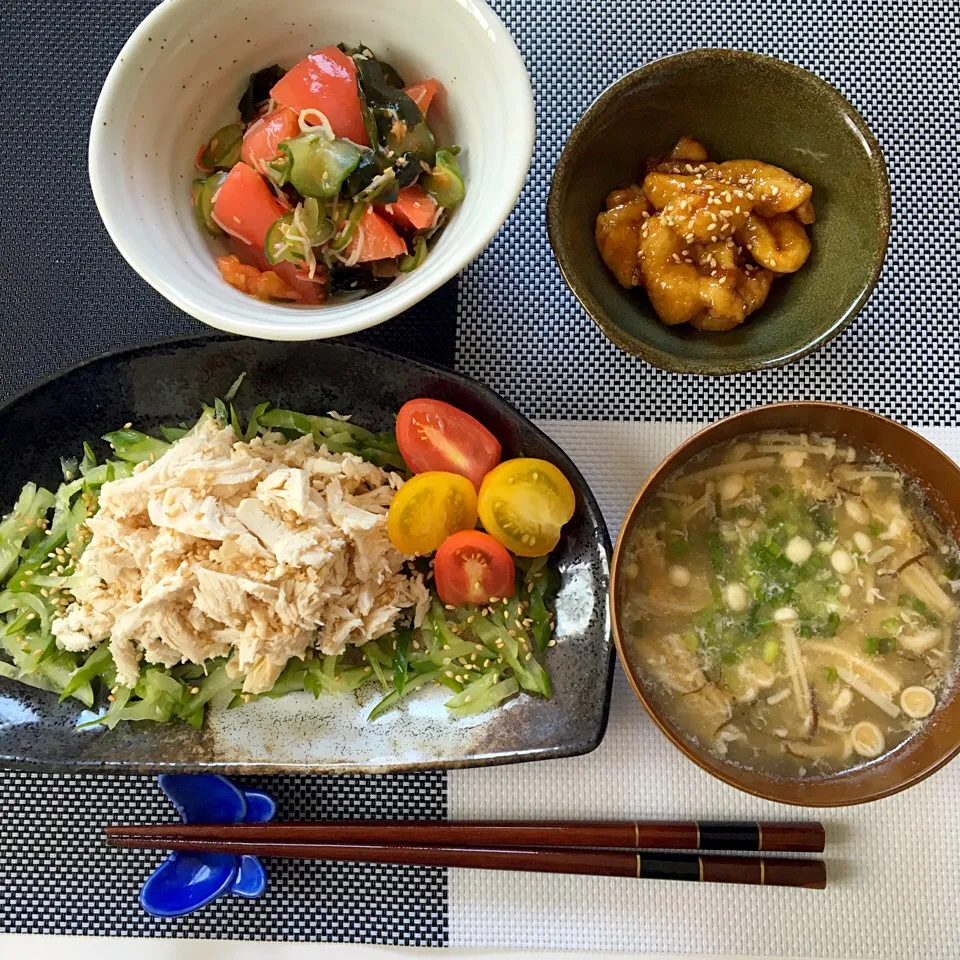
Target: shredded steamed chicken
{"x": 258, "y": 550}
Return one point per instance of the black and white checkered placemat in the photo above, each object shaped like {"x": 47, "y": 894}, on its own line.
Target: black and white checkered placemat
{"x": 522, "y": 331}
{"x": 56, "y": 875}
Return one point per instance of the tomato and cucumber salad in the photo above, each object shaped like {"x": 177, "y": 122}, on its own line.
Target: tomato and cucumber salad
{"x": 331, "y": 182}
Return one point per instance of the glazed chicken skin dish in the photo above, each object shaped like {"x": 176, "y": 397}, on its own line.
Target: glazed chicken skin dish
{"x": 706, "y": 240}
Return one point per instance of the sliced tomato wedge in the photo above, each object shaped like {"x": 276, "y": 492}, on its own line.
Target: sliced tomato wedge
{"x": 245, "y": 206}
{"x": 414, "y": 208}
{"x": 422, "y": 93}
{"x": 262, "y": 140}
{"x": 472, "y": 568}
{"x": 377, "y": 239}
{"x": 434, "y": 435}
{"x": 326, "y": 80}
{"x": 312, "y": 292}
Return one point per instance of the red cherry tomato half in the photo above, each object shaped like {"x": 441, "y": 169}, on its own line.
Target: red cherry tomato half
{"x": 245, "y": 206}
{"x": 434, "y": 435}
{"x": 326, "y": 80}
{"x": 471, "y": 568}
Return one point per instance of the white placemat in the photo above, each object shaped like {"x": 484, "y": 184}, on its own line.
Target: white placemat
{"x": 893, "y": 865}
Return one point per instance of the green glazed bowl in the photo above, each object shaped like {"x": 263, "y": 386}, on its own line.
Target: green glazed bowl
{"x": 740, "y": 106}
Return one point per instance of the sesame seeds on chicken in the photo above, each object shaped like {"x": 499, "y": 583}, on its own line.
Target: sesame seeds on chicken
{"x": 260, "y": 551}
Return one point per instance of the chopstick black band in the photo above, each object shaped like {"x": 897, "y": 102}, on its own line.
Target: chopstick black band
{"x": 728, "y": 835}
{"x": 677, "y": 866}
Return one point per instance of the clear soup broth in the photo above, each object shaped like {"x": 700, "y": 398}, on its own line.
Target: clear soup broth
{"x": 790, "y": 603}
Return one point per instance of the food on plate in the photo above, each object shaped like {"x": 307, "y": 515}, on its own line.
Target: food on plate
{"x": 434, "y": 435}
{"x": 523, "y": 504}
{"x": 287, "y": 554}
{"x": 429, "y": 508}
{"x": 791, "y": 602}
{"x": 706, "y": 240}
{"x": 331, "y": 182}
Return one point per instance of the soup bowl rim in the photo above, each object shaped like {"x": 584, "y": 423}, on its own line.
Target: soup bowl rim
{"x": 847, "y": 787}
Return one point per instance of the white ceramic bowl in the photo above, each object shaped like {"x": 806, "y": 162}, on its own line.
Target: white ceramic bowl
{"x": 179, "y": 77}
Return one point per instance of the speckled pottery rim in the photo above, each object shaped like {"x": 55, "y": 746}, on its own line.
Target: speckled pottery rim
{"x": 607, "y": 102}
{"x": 919, "y": 756}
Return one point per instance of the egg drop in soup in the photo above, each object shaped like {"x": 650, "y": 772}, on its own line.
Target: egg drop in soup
{"x": 789, "y": 601}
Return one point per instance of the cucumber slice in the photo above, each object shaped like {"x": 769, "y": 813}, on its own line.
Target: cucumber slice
{"x": 445, "y": 182}
{"x": 413, "y": 260}
{"x": 206, "y": 194}
{"x": 223, "y": 150}
{"x": 275, "y": 245}
{"x": 317, "y": 166}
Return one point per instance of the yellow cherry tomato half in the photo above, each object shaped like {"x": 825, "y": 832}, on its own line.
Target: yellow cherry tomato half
{"x": 428, "y": 508}
{"x": 523, "y": 504}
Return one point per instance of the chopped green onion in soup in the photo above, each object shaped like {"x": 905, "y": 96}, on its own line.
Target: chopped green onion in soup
{"x": 792, "y": 606}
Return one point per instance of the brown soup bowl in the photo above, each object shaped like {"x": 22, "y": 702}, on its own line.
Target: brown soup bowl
{"x": 938, "y": 741}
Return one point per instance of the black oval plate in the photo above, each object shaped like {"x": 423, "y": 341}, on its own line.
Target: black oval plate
{"x": 166, "y": 382}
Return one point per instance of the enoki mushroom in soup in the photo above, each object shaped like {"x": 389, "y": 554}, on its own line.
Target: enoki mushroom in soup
{"x": 790, "y": 602}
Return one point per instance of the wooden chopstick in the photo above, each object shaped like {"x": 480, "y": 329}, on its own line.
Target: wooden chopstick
{"x": 763, "y": 837}
{"x": 758, "y": 871}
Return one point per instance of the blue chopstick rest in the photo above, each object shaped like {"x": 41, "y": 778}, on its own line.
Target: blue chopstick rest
{"x": 185, "y": 882}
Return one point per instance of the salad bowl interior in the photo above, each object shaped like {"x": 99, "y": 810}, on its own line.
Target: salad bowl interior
{"x": 183, "y": 72}
{"x": 166, "y": 383}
